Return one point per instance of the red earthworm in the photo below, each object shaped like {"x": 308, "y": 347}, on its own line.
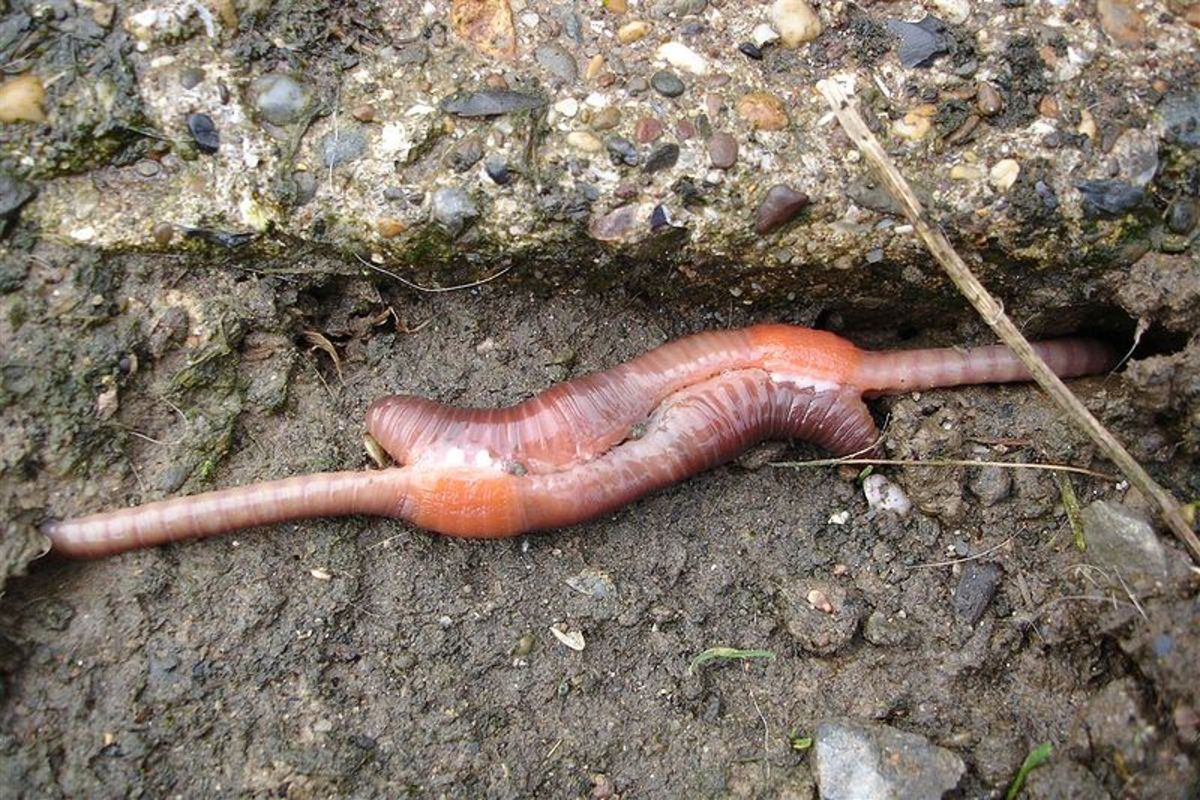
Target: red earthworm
{"x": 590, "y": 445}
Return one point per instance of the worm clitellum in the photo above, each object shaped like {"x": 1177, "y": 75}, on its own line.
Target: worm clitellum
{"x": 590, "y": 445}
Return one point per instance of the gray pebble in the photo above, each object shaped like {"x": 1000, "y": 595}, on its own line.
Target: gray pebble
{"x": 558, "y": 61}
{"x": 664, "y": 156}
{"x": 1181, "y": 216}
{"x": 306, "y": 187}
{"x": 453, "y": 209}
{"x": 281, "y": 99}
{"x": 637, "y": 85}
{"x": 342, "y": 146}
{"x": 667, "y": 83}
{"x": 497, "y": 170}
{"x": 1121, "y": 539}
{"x": 490, "y": 103}
{"x": 975, "y": 590}
{"x": 876, "y": 762}
{"x": 465, "y": 154}
{"x": 991, "y": 484}
{"x": 622, "y": 151}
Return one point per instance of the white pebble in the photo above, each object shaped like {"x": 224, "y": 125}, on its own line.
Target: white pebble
{"x": 883, "y": 495}
{"x": 796, "y": 21}
{"x": 567, "y": 107}
{"x": 1004, "y": 174}
{"x": 763, "y": 34}
{"x": 680, "y": 56}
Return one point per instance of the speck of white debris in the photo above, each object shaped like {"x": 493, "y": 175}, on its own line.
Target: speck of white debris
{"x": 680, "y": 56}
{"x": 883, "y": 495}
{"x": 84, "y": 234}
{"x": 530, "y": 19}
{"x": 839, "y": 518}
{"x": 572, "y": 639}
{"x": 763, "y": 34}
{"x": 320, "y": 574}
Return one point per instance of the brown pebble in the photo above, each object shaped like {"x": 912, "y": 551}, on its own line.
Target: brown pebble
{"x": 684, "y": 129}
{"x": 364, "y": 112}
{"x": 616, "y": 6}
{"x": 988, "y": 100}
{"x": 763, "y": 110}
{"x": 605, "y": 118}
{"x": 164, "y": 232}
{"x": 713, "y": 105}
{"x": 594, "y": 65}
{"x": 778, "y": 208}
{"x": 390, "y": 227}
{"x": 616, "y": 224}
{"x": 1048, "y": 107}
{"x": 722, "y": 150}
{"x": 496, "y": 81}
{"x": 1122, "y": 22}
{"x": 647, "y": 130}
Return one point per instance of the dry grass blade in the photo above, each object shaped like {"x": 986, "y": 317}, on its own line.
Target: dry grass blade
{"x": 318, "y": 340}
{"x": 993, "y": 313}
{"x": 942, "y": 462}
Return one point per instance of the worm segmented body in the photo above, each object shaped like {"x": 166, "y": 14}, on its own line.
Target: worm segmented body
{"x": 590, "y": 445}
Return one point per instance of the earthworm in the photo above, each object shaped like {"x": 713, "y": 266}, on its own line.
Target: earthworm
{"x": 590, "y": 445}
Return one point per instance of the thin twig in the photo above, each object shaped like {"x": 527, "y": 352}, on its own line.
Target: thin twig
{"x": 951, "y": 562}
{"x": 942, "y": 462}
{"x": 432, "y": 289}
{"x": 993, "y": 314}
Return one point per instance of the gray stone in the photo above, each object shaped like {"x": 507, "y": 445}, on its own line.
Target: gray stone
{"x": 490, "y": 103}
{"x": 857, "y": 761}
{"x": 991, "y": 484}
{"x": 1120, "y": 539}
{"x": 667, "y": 83}
{"x": 558, "y": 61}
{"x": 342, "y": 146}
{"x": 722, "y": 150}
{"x": 281, "y": 99}
{"x": 976, "y": 588}
{"x": 453, "y": 209}
{"x": 14, "y": 193}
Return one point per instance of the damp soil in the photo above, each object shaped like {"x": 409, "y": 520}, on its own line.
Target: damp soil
{"x": 363, "y": 657}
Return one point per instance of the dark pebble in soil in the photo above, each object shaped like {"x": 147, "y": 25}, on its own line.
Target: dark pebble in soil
{"x": 1111, "y": 197}
{"x": 490, "y": 103}
{"x": 667, "y": 83}
{"x": 722, "y": 150}
{"x": 920, "y": 42}
{"x": 14, "y": 193}
{"x": 204, "y": 133}
{"x": 749, "y": 50}
{"x": 1182, "y": 215}
{"x": 622, "y": 151}
{"x": 975, "y": 590}
{"x": 778, "y": 208}
{"x": 497, "y": 170}
{"x": 664, "y": 157}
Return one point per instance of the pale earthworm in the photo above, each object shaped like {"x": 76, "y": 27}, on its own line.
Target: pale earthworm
{"x": 588, "y": 446}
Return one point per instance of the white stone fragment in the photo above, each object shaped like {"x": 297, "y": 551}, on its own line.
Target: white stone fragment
{"x": 883, "y": 495}
{"x": 680, "y": 56}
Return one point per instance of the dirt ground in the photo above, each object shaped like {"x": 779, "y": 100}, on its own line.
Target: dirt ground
{"x": 362, "y": 657}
